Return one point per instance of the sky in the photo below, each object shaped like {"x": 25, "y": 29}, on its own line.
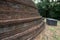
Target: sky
{"x": 39, "y": 1}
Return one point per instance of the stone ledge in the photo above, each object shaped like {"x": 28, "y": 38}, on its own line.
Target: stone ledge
{"x": 4, "y": 22}
{"x": 24, "y": 33}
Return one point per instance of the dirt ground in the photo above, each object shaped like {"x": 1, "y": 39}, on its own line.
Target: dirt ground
{"x": 52, "y": 32}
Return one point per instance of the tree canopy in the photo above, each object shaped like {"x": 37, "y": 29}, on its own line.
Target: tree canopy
{"x": 49, "y": 8}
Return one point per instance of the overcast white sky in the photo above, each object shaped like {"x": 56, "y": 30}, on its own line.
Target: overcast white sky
{"x": 39, "y": 1}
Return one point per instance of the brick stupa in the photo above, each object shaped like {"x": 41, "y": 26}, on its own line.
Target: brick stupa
{"x": 19, "y": 20}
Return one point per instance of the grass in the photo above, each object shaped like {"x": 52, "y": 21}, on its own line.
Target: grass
{"x": 54, "y": 36}
{"x": 52, "y": 32}
{"x": 52, "y": 29}
{"x": 58, "y": 23}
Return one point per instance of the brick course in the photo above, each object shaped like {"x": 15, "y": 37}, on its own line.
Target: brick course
{"x": 19, "y": 20}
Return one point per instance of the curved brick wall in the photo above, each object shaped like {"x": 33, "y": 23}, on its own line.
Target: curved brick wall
{"x": 19, "y": 20}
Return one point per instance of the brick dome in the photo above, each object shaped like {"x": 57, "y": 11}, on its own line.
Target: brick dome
{"x": 19, "y": 20}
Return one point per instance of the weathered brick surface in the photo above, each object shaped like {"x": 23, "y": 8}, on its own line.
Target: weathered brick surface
{"x": 24, "y": 2}
{"x": 34, "y": 32}
{"x": 19, "y": 20}
{"x": 17, "y": 28}
{"x": 14, "y": 11}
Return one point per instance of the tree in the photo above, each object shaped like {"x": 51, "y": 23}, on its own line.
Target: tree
{"x": 43, "y": 7}
{"x": 49, "y": 8}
